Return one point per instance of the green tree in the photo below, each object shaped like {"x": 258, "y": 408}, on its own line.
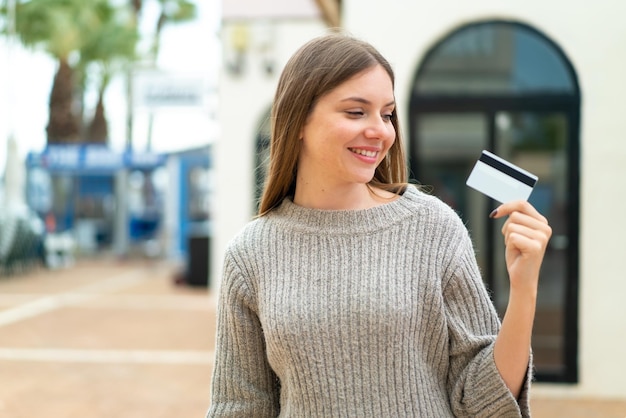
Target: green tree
{"x": 54, "y": 26}
{"x": 171, "y": 11}
{"x": 91, "y": 40}
{"x": 75, "y": 33}
{"x": 107, "y": 51}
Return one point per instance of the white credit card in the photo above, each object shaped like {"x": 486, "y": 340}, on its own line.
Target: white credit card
{"x": 501, "y": 180}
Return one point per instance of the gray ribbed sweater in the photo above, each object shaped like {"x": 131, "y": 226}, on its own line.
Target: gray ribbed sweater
{"x": 370, "y": 313}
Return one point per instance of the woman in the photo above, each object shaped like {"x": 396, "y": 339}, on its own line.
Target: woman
{"x": 354, "y": 293}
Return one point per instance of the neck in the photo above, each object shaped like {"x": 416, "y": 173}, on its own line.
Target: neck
{"x": 350, "y": 197}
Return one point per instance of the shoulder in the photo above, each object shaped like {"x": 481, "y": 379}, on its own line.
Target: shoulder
{"x": 249, "y": 237}
{"x": 239, "y": 257}
{"x": 443, "y": 230}
{"x": 430, "y": 207}
{"x": 253, "y": 242}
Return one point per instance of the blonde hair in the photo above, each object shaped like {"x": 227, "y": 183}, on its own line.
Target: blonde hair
{"x": 315, "y": 69}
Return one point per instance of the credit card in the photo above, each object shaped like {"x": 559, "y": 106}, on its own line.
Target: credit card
{"x": 501, "y": 180}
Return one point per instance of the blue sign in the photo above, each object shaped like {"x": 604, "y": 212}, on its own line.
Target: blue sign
{"x": 91, "y": 159}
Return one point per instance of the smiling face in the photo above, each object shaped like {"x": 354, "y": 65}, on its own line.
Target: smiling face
{"x": 348, "y": 133}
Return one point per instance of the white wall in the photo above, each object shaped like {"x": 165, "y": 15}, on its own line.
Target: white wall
{"x": 244, "y": 100}
{"x": 248, "y": 9}
{"x": 594, "y": 39}
{"x": 593, "y": 36}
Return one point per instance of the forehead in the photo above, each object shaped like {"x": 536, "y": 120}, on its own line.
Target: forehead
{"x": 372, "y": 81}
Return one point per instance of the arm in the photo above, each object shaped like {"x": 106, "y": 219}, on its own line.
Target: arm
{"x": 526, "y": 234}
{"x": 475, "y": 386}
{"x": 243, "y": 382}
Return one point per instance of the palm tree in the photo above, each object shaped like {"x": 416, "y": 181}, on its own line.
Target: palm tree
{"x": 54, "y": 26}
{"x": 88, "y": 39}
{"x": 74, "y": 32}
{"x": 41, "y": 24}
{"x": 106, "y": 52}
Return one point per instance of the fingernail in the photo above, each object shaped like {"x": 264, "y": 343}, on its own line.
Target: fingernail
{"x": 493, "y": 213}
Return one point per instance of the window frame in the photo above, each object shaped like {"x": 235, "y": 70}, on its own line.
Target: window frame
{"x": 489, "y": 105}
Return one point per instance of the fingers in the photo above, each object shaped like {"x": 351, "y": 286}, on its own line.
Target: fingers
{"x": 521, "y": 206}
{"x": 525, "y": 228}
{"x": 526, "y": 235}
{"x": 525, "y": 238}
{"x": 526, "y": 223}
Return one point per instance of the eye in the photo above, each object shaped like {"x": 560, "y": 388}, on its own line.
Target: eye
{"x": 355, "y": 113}
{"x": 388, "y": 116}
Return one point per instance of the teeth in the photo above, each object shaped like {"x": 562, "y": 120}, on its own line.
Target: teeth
{"x": 364, "y": 152}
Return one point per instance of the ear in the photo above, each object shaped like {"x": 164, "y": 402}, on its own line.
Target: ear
{"x": 301, "y": 134}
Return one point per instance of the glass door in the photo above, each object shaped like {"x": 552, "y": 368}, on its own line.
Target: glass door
{"x": 538, "y": 143}
{"x": 449, "y": 144}
{"x": 506, "y": 87}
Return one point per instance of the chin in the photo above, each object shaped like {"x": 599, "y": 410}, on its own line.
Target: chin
{"x": 360, "y": 176}
{"x": 364, "y": 179}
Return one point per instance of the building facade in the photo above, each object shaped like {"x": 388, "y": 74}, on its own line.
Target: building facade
{"x": 535, "y": 82}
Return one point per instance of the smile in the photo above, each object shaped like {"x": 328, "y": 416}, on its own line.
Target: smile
{"x": 365, "y": 153}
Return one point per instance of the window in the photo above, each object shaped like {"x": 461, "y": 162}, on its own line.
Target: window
{"x": 505, "y": 87}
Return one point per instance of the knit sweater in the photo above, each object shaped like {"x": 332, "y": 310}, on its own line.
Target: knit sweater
{"x": 379, "y": 312}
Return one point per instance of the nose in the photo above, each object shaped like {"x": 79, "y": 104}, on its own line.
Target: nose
{"x": 378, "y": 128}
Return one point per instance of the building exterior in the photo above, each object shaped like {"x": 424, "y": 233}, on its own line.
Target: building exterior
{"x": 257, "y": 39}
{"x": 535, "y": 82}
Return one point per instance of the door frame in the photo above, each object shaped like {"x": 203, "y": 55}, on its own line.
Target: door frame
{"x": 489, "y": 106}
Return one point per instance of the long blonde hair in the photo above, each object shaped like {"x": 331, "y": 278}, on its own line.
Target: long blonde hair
{"x": 315, "y": 69}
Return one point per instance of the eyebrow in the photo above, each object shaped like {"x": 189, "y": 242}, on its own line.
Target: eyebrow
{"x": 365, "y": 101}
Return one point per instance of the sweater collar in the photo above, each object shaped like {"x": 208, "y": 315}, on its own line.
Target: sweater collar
{"x": 340, "y": 222}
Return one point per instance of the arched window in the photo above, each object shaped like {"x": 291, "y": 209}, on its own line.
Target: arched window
{"x": 495, "y": 58}
{"x": 505, "y": 87}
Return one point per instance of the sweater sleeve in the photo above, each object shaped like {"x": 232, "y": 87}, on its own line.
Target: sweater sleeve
{"x": 475, "y": 386}
{"x": 243, "y": 383}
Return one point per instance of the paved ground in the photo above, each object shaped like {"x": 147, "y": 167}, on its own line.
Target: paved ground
{"x": 104, "y": 339}
{"x": 118, "y": 339}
